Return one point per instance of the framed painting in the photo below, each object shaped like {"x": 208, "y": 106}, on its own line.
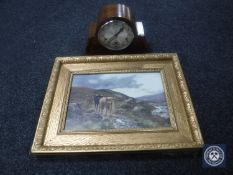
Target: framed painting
{"x": 116, "y": 103}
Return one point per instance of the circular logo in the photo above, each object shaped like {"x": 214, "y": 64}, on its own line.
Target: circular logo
{"x": 214, "y": 155}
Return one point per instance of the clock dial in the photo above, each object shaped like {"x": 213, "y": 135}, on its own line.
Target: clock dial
{"x": 115, "y": 35}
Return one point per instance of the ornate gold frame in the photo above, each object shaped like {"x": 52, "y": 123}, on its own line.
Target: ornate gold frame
{"x": 184, "y": 132}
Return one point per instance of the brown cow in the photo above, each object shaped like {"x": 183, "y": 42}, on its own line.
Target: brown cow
{"x": 107, "y": 105}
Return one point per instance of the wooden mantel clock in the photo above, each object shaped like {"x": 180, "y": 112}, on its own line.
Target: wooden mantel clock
{"x": 116, "y": 32}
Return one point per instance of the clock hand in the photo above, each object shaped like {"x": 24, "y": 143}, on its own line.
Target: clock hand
{"x": 116, "y": 34}
{"x": 121, "y": 29}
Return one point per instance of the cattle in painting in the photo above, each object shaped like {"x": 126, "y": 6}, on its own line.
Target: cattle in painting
{"x": 106, "y": 105}
{"x": 97, "y": 101}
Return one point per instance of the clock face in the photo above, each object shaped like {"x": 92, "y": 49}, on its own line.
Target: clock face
{"x": 115, "y": 35}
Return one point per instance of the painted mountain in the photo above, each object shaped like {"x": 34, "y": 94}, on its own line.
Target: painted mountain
{"x": 127, "y": 112}
{"x": 158, "y": 98}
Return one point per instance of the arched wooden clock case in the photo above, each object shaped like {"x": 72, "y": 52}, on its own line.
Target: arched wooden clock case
{"x": 118, "y": 12}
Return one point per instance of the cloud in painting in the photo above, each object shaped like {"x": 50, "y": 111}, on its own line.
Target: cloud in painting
{"x": 99, "y": 81}
{"x": 131, "y": 84}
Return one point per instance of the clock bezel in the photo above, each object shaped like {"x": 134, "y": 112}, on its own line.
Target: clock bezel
{"x": 110, "y": 21}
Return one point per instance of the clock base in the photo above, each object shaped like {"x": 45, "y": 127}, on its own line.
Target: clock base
{"x": 139, "y": 44}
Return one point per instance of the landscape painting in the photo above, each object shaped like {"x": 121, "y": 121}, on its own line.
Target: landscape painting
{"x": 116, "y": 101}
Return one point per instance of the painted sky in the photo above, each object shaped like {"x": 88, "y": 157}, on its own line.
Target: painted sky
{"x": 131, "y": 84}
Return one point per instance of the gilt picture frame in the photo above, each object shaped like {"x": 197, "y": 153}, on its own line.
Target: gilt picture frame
{"x": 114, "y": 103}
